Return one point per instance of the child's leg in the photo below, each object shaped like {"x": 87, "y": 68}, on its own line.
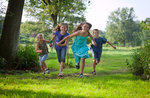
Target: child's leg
{"x": 44, "y": 65}
{"x": 40, "y": 60}
{"x": 43, "y": 69}
{"x": 62, "y": 59}
{"x": 94, "y": 64}
{"x": 82, "y": 65}
{"x": 62, "y": 64}
{"x": 44, "y": 57}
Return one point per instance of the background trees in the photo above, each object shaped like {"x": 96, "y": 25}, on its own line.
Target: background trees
{"x": 122, "y": 28}
{"x": 53, "y": 12}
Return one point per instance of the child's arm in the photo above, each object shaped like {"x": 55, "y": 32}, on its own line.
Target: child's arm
{"x": 50, "y": 41}
{"x": 111, "y": 45}
{"x": 64, "y": 44}
{"x": 67, "y": 37}
{"x": 37, "y": 49}
{"x": 93, "y": 41}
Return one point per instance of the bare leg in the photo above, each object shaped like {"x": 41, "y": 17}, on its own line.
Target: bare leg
{"x": 94, "y": 64}
{"x": 44, "y": 65}
{"x": 82, "y": 65}
{"x": 62, "y": 65}
{"x": 42, "y": 68}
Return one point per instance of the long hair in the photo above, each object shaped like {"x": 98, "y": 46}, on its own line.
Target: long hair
{"x": 79, "y": 27}
{"x": 57, "y": 28}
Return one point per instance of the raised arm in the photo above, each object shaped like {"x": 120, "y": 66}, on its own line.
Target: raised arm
{"x": 67, "y": 37}
{"x": 93, "y": 41}
{"x": 111, "y": 45}
{"x": 50, "y": 41}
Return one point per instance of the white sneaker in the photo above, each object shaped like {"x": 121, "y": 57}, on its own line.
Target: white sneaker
{"x": 47, "y": 71}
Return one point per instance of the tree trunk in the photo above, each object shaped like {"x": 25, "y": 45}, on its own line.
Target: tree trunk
{"x": 54, "y": 19}
{"x": 10, "y": 31}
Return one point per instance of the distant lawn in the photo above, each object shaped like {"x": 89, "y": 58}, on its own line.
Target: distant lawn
{"x": 113, "y": 80}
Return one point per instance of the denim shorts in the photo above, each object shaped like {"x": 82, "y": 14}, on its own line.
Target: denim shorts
{"x": 43, "y": 58}
{"x": 61, "y": 54}
{"x": 96, "y": 55}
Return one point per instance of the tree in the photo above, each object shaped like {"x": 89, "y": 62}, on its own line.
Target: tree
{"x": 145, "y": 30}
{"x": 2, "y": 9}
{"x": 56, "y": 11}
{"x": 30, "y": 29}
{"x": 121, "y": 25}
{"x": 10, "y": 31}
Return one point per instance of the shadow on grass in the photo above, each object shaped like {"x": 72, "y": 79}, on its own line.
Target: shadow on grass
{"x": 32, "y": 94}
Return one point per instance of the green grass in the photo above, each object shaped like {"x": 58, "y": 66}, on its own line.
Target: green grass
{"x": 113, "y": 80}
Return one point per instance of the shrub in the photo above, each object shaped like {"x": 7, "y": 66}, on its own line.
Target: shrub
{"x": 27, "y": 58}
{"x": 141, "y": 62}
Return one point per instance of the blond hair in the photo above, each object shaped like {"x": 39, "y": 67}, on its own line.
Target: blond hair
{"x": 40, "y": 34}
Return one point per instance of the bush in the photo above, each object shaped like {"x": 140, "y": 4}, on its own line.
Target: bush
{"x": 141, "y": 62}
{"x": 27, "y": 58}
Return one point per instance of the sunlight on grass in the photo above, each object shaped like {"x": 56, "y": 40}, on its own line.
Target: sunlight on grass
{"x": 113, "y": 80}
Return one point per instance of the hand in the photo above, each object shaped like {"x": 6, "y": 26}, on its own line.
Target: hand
{"x": 58, "y": 44}
{"x": 114, "y": 47}
{"x": 94, "y": 43}
{"x": 50, "y": 45}
{"x": 39, "y": 51}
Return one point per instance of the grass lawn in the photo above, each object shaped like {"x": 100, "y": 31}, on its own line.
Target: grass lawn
{"x": 113, "y": 80}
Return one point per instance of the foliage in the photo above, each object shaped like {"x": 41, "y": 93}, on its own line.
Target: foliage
{"x": 53, "y": 12}
{"x": 141, "y": 62}
{"x": 122, "y": 29}
{"x": 27, "y": 58}
{"x": 2, "y": 8}
{"x": 1, "y": 24}
{"x": 145, "y": 30}
{"x": 30, "y": 29}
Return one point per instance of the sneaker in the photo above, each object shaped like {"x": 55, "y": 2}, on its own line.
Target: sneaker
{"x": 81, "y": 75}
{"x": 47, "y": 71}
{"x": 77, "y": 66}
{"x": 60, "y": 74}
{"x": 94, "y": 73}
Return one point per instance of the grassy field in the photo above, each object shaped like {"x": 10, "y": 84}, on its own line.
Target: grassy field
{"x": 113, "y": 80}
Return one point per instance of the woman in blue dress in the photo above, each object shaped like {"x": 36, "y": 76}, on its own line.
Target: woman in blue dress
{"x": 79, "y": 46}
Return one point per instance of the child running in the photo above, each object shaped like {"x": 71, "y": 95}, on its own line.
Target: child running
{"x": 79, "y": 47}
{"x": 42, "y": 49}
{"x": 61, "y": 32}
{"x": 97, "y": 50}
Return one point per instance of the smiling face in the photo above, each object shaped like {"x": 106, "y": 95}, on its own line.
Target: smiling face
{"x": 40, "y": 38}
{"x": 63, "y": 28}
{"x": 96, "y": 34}
{"x": 85, "y": 27}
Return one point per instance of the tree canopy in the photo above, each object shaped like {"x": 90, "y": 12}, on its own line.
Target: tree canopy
{"x": 122, "y": 28}
{"x": 56, "y": 11}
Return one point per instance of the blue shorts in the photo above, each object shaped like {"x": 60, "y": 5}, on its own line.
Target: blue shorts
{"x": 96, "y": 55}
{"x": 43, "y": 58}
{"x": 61, "y": 54}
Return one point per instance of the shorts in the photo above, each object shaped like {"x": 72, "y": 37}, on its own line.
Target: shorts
{"x": 96, "y": 55}
{"x": 61, "y": 54}
{"x": 43, "y": 58}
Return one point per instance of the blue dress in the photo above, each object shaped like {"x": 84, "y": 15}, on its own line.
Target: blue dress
{"x": 80, "y": 48}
